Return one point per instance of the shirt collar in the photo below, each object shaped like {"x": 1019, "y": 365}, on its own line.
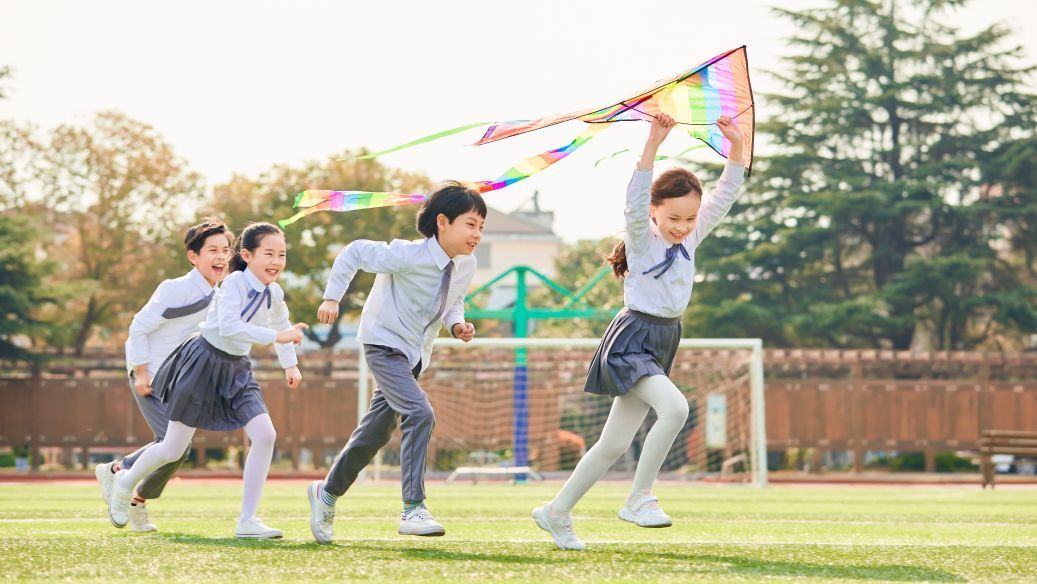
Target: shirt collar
{"x": 200, "y": 282}
{"x": 253, "y": 280}
{"x": 438, "y": 255}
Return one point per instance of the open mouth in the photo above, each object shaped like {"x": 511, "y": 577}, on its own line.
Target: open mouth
{"x": 218, "y": 270}
{"x": 272, "y": 272}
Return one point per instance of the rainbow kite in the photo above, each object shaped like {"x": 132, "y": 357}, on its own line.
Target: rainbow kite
{"x": 694, "y": 98}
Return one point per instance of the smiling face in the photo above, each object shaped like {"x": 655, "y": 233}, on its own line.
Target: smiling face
{"x": 212, "y": 259}
{"x": 462, "y": 235}
{"x": 268, "y": 260}
{"x": 676, "y": 216}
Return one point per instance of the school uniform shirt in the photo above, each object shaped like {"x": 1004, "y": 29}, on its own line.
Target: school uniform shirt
{"x": 668, "y": 295}
{"x": 405, "y": 307}
{"x": 246, "y": 313}
{"x": 171, "y": 315}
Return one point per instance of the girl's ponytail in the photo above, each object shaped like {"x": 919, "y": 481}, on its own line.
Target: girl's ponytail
{"x": 618, "y": 259}
{"x": 237, "y": 263}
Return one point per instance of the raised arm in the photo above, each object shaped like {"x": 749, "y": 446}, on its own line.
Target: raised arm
{"x": 638, "y": 198}
{"x": 719, "y": 201}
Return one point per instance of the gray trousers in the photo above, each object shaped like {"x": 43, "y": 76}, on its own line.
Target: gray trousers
{"x": 397, "y": 393}
{"x": 155, "y": 415}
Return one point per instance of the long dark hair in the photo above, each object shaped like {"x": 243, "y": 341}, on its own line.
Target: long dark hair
{"x": 250, "y": 238}
{"x": 673, "y": 183}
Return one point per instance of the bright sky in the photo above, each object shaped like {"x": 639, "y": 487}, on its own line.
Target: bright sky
{"x": 237, "y": 86}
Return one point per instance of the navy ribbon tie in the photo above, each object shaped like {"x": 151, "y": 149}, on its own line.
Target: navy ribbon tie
{"x": 671, "y": 256}
{"x": 257, "y": 301}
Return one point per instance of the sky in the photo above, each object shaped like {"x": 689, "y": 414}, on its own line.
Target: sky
{"x": 238, "y": 86}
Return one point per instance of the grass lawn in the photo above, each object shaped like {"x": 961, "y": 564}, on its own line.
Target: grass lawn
{"x": 60, "y": 531}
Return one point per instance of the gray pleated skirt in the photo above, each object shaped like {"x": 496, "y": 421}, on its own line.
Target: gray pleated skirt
{"x": 635, "y": 345}
{"x": 205, "y": 387}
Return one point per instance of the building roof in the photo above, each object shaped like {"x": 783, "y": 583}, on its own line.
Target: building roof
{"x": 501, "y": 223}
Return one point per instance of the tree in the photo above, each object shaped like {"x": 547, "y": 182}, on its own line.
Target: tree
{"x": 117, "y": 198}
{"x": 575, "y": 266}
{"x": 23, "y": 286}
{"x": 878, "y": 223}
{"x": 314, "y": 241}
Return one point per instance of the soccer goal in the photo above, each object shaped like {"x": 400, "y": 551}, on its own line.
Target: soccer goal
{"x": 516, "y": 408}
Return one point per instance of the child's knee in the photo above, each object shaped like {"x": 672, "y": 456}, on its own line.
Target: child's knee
{"x": 681, "y": 410}
{"x": 424, "y": 416}
{"x": 263, "y": 435}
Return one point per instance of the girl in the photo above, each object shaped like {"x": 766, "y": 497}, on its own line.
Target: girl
{"x": 634, "y": 357}
{"x": 207, "y": 382}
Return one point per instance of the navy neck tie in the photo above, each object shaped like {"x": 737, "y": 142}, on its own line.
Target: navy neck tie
{"x": 257, "y": 302}
{"x": 444, "y": 285}
{"x": 671, "y": 256}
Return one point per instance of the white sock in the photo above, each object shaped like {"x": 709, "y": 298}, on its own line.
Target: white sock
{"x": 171, "y": 448}
{"x": 261, "y": 432}
{"x": 627, "y": 414}
{"x": 671, "y": 411}
{"x": 628, "y": 411}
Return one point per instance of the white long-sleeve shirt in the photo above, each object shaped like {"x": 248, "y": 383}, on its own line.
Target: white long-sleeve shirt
{"x": 171, "y": 315}
{"x": 668, "y": 295}
{"x": 227, "y": 325}
{"x": 402, "y": 301}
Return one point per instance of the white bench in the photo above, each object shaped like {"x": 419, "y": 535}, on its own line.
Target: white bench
{"x": 475, "y": 471}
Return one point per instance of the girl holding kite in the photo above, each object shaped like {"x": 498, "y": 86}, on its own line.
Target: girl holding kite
{"x": 665, "y": 222}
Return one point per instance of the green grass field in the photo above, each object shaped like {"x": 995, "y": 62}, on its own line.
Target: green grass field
{"x": 787, "y": 533}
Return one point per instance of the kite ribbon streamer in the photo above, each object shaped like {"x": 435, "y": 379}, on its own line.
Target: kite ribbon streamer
{"x": 422, "y": 140}
{"x": 696, "y": 98}
{"x": 314, "y": 201}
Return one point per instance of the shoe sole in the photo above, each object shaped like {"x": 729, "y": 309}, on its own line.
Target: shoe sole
{"x": 112, "y": 519}
{"x": 311, "y": 493}
{"x": 434, "y": 533}
{"x": 630, "y": 519}
{"x": 542, "y": 525}
{"x": 259, "y": 536}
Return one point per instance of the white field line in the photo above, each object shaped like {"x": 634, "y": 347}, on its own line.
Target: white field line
{"x": 581, "y": 519}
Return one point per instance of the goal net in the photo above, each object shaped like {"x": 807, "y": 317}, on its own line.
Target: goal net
{"x": 516, "y": 407}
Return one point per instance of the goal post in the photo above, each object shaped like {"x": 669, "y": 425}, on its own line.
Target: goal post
{"x": 516, "y": 407}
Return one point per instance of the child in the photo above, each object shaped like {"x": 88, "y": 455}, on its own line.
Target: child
{"x": 170, "y": 316}
{"x": 207, "y": 382}
{"x": 634, "y": 357}
{"x": 419, "y": 284}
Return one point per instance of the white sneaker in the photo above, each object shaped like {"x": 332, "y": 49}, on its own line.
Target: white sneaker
{"x": 322, "y": 515}
{"x": 256, "y": 529}
{"x": 645, "y": 513}
{"x": 106, "y": 478}
{"x": 139, "y": 520}
{"x": 418, "y": 521}
{"x": 119, "y": 502}
{"x": 560, "y": 528}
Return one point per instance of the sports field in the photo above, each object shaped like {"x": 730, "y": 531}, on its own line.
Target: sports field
{"x": 59, "y": 531}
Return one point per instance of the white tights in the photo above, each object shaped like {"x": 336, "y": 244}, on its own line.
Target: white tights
{"x": 628, "y": 412}
{"x": 260, "y": 430}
